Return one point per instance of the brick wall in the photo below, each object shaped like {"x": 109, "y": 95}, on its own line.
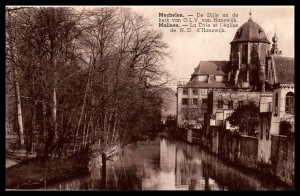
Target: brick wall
{"x": 238, "y": 149}
{"x": 248, "y": 151}
{"x": 283, "y": 158}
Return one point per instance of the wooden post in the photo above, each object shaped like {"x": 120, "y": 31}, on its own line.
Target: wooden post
{"x": 103, "y": 170}
{"x": 206, "y": 180}
{"x": 175, "y": 160}
{"x": 189, "y": 135}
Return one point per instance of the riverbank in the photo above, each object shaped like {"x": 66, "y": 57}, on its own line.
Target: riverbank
{"x": 241, "y": 154}
{"x": 34, "y": 174}
{"x": 27, "y": 172}
{"x": 253, "y": 172}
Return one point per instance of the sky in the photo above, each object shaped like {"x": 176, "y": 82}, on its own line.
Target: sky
{"x": 188, "y": 49}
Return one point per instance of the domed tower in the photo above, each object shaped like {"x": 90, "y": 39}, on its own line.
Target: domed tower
{"x": 249, "y": 49}
{"x": 274, "y": 50}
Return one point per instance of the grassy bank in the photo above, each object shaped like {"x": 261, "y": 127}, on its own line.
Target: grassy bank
{"x": 32, "y": 174}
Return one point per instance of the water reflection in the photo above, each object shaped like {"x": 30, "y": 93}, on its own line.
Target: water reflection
{"x": 166, "y": 165}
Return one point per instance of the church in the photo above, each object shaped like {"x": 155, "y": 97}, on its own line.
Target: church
{"x": 255, "y": 72}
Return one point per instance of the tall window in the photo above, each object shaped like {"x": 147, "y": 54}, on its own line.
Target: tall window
{"x": 195, "y": 91}
{"x": 244, "y": 54}
{"x": 289, "y": 103}
{"x": 262, "y": 53}
{"x": 185, "y": 91}
{"x": 230, "y": 104}
{"x": 268, "y": 121}
{"x": 204, "y": 104}
{"x": 261, "y": 130}
{"x": 276, "y": 104}
{"x": 220, "y": 103}
{"x": 185, "y": 101}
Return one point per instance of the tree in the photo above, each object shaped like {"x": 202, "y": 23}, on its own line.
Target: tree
{"x": 246, "y": 117}
{"x": 91, "y": 76}
{"x": 12, "y": 69}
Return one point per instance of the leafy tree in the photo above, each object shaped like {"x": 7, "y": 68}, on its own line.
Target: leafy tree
{"x": 246, "y": 118}
{"x": 85, "y": 76}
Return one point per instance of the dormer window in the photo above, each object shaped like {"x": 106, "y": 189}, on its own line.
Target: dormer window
{"x": 230, "y": 104}
{"x": 185, "y": 91}
{"x": 289, "y": 103}
{"x": 276, "y": 104}
{"x": 220, "y": 103}
{"x": 239, "y": 33}
{"x": 195, "y": 91}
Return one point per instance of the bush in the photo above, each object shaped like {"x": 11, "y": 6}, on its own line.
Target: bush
{"x": 246, "y": 117}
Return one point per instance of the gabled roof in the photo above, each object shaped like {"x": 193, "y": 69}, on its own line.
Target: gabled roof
{"x": 212, "y": 68}
{"x": 284, "y": 68}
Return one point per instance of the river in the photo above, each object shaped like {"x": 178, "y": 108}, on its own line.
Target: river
{"x": 163, "y": 164}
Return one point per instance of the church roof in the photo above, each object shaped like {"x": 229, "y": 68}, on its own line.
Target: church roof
{"x": 284, "y": 67}
{"x": 207, "y": 85}
{"x": 250, "y": 32}
{"x": 212, "y": 68}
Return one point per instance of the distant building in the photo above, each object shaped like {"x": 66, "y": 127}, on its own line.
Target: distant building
{"x": 168, "y": 109}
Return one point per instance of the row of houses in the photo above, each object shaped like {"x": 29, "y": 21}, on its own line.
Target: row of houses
{"x": 255, "y": 73}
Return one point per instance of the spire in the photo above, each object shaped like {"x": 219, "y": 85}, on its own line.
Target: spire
{"x": 250, "y": 13}
{"x": 275, "y": 38}
{"x": 274, "y": 50}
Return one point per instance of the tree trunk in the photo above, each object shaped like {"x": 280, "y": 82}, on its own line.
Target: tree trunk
{"x": 44, "y": 110}
{"x": 16, "y": 84}
{"x": 82, "y": 109}
{"x": 19, "y": 109}
{"x": 54, "y": 108}
{"x": 31, "y": 133}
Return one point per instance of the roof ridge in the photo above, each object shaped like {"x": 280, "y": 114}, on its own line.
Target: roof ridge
{"x": 284, "y": 57}
{"x": 199, "y": 67}
{"x": 215, "y": 61}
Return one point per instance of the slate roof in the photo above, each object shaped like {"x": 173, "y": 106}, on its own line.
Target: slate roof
{"x": 250, "y": 32}
{"x": 212, "y": 68}
{"x": 207, "y": 85}
{"x": 284, "y": 69}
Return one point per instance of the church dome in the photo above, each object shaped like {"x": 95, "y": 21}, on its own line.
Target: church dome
{"x": 250, "y": 32}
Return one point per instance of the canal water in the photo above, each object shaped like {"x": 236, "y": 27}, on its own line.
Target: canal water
{"x": 162, "y": 164}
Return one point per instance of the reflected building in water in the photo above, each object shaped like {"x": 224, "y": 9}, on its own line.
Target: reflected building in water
{"x": 166, "y": 165}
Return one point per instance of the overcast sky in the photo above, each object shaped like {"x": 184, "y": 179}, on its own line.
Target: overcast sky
{"x": 188, "y": 49}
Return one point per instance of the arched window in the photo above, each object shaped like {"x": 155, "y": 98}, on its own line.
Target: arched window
{"x": 289, "y": 103}
{"x": 276, "y": 104}
{"x": 244, "y": 54}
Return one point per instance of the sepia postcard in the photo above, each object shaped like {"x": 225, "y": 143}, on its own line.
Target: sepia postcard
{"x": 150, "y": 98}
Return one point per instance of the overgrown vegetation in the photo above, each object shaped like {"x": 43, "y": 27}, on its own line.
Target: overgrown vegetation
{"x": 246, "y": 118}
{"x": 81, "y": 77}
